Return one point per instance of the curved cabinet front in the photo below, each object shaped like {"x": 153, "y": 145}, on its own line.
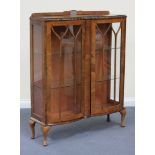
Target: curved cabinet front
{"x": 65, "y": 71}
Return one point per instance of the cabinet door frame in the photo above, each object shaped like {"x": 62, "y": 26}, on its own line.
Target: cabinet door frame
{"x": 122, "y": 21}
{"x": 49, "y": 68}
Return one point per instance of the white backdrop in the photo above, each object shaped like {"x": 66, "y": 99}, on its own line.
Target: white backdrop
{"x": 115, "y": 7}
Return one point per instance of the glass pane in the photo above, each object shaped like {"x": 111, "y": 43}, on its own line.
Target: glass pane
{"x": 112, "y": 83}
{"x": 78, "y": 51}
{"x": 37, "y": 70}
{"x": 102, "y": 92}
{"x": 59, "y": 30}
{"x": 55, "y": 60}
{"x": 107, "y": 65}
{"x": 38, "y": 108}
{"x": 115, "y": 66}
{"x": 67, "y": 60}
{"x": 66, "y": 72}
{"x": 37, "y": 53}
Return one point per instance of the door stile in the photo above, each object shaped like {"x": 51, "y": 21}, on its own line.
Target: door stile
{"x": 31, "y": 67}
{"x": 93, "y": 74}
{"x": 83, "y": 102}
{"x": 122, "y": 62}
{"x": 44, "y": 75}
{"x": 87, "y": 67}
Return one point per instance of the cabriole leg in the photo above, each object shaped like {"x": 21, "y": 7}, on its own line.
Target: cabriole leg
{"x": 123, "y": 114}
{"x": 45, "y": 130}
{"x": 32, "y": 127}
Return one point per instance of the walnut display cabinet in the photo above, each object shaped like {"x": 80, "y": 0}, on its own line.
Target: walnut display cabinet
{"x": 77, "y": 67}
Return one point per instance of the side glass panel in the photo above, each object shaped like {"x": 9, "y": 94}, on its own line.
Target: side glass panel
{"x": 37, "y": 68}
{"x": 66, "y": 73}
{"x": 107, "y": 65}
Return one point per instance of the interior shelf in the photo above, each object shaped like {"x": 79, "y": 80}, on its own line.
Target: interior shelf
{"x": 39, "y": 85}
{"x": 98, "y": 51}
{"x": 111, "y": 104}
{"x": 108, "y": 107}
{"x": 111, "y": 49}
{"x": 102, "y": 81}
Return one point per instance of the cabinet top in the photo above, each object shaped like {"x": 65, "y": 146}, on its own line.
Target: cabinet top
{"x": 73, "y": 15}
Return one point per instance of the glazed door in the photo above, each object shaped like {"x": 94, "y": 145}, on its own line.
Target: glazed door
{"x": 65, "y": 71}
{"x": 107, "y": 65}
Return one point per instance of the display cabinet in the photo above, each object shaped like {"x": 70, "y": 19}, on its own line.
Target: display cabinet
{"x": 77, "y": 67}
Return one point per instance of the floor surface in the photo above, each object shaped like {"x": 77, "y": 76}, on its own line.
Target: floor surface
{"x": 91, "y": 136}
